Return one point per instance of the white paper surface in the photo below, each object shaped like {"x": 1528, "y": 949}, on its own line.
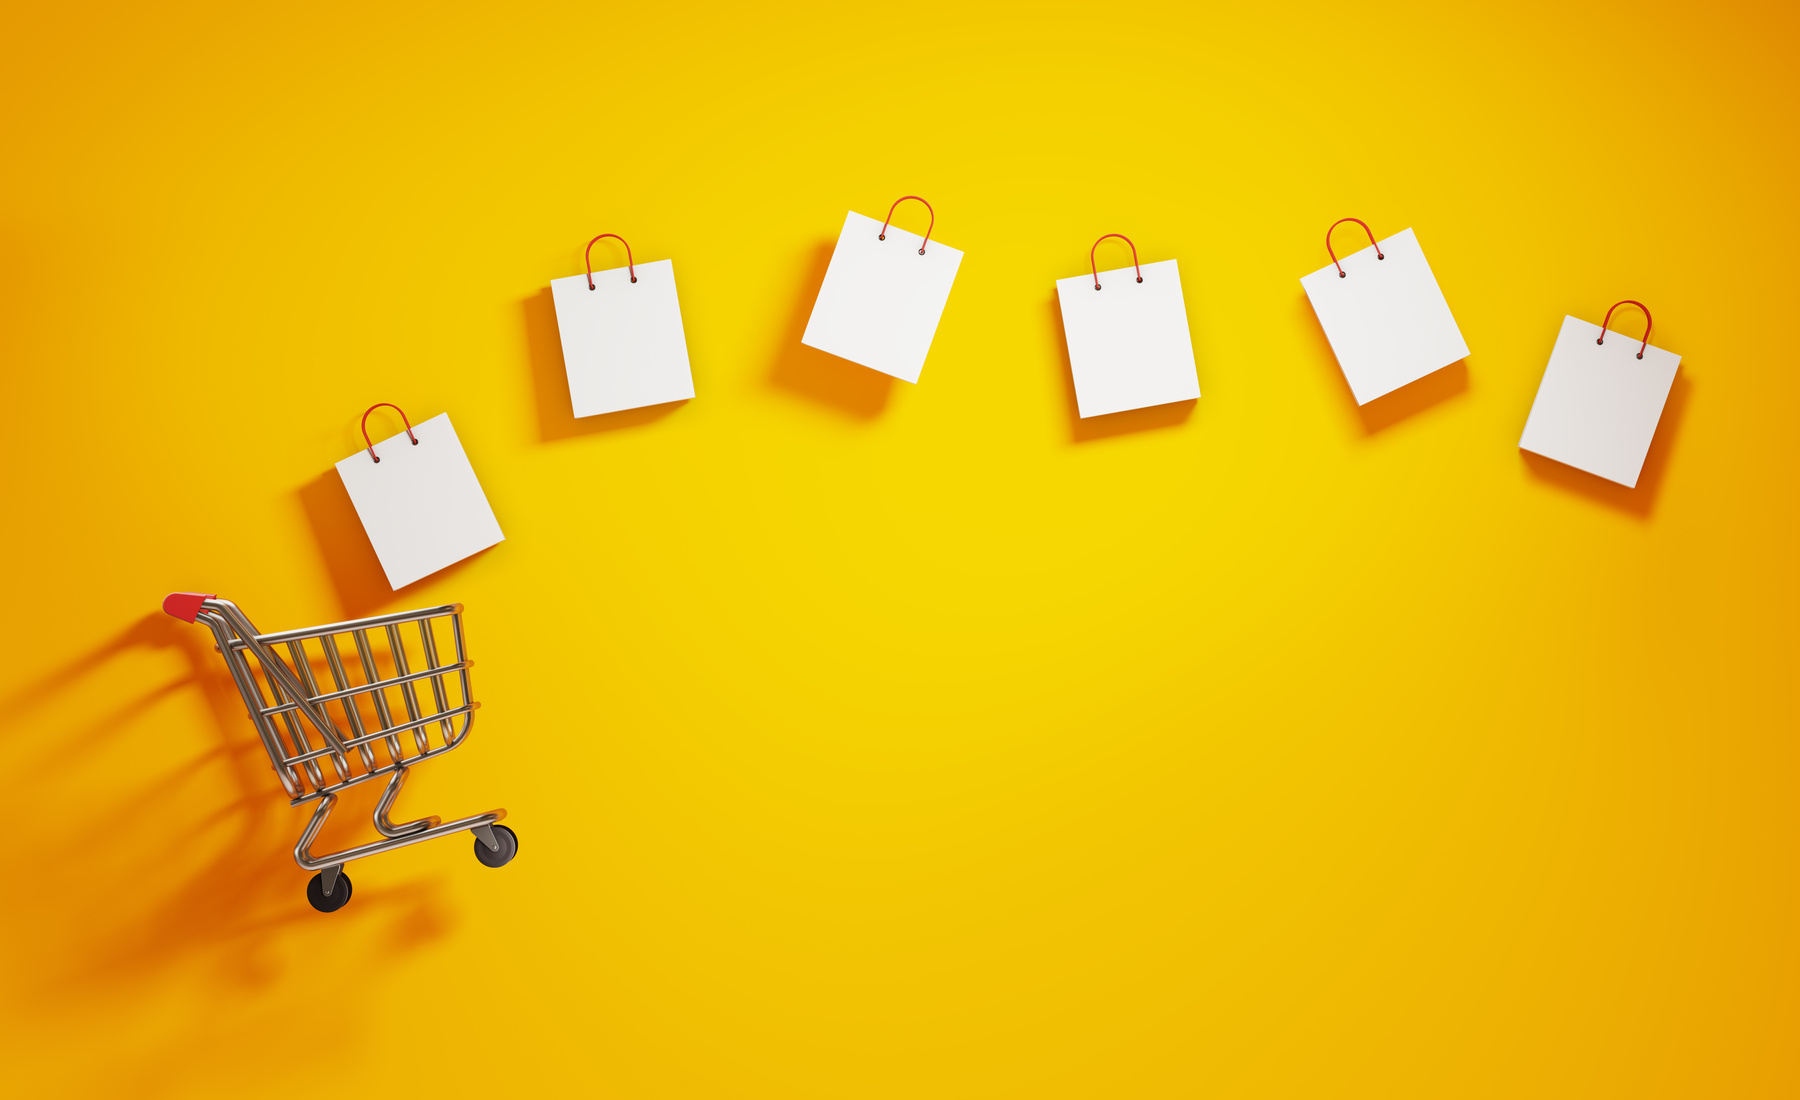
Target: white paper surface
{"x": 1598, "y": 405}
{"x": 623, "y": 345}
{"x": 1129, "y": 346}
{"x": 421, "y": 505}
{"x": 1386, "y": 319}
{"x": 881, "y": 300}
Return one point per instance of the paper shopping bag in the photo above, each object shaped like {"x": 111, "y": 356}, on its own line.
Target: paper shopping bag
{"x": 418, "y": 499}
{"x": 623, "y": 345}
{"x": 1600, "y": 400}
{"x": 1383, "y": 313}
{"x": 883, "y": 294}
{"x": 1128, "y": 339}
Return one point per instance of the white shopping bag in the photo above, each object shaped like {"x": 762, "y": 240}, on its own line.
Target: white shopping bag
{"x": 623, "y": 345}
{"x": 883, "y": 294}
{"x": 1601, "y": 399}
{"x": 1127, "y": 330}
{"x": 420, "y": 503}
{"x": 1382, "y": 310}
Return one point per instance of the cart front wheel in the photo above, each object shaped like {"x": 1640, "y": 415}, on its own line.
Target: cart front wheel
{"x": 509, "y": 847}
{"x": 340, "y": 893}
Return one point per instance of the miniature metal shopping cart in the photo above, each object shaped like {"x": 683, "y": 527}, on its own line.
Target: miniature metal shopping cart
{"x": 396, "y": 654}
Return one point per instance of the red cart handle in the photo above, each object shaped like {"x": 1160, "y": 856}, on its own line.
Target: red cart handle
{"x": 1366, "y": 229}
{"x": 185, "y": 605}
{"x": 1092, "y": 267}
{"x": 1608, "y": 321}
{"x": 882, "y": 236}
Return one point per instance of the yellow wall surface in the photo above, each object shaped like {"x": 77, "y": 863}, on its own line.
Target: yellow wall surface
{"x": 867, "y": 740}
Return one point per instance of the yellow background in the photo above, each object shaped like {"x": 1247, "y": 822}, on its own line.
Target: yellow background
{"x": 867, "y": 740}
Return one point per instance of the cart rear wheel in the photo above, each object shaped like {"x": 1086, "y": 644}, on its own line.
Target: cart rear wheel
{"x": 509, "y": 847}
{"x": 340, "y": 894}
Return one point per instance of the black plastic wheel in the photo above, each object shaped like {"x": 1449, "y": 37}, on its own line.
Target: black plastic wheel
{"x": 340, "y": 894}
{"x": 509, "y": 847}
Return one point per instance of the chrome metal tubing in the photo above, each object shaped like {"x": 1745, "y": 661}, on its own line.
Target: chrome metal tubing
{"x": 293, "y": 700}
{"x": 352, "y": 624}
{"x": 363, "y": 689}
{"x": 367, "y": 656}
{"x": 303, "y": 669}
{"x": 309, "y": 862}
{"x": 341, "y": 680}
{"x": 397, "y": 650}
{"x": 429, "y": 643}
{"x": 276, "y": 670}
{"x": 388, "y": 828}
{"x": 364, "y": 740}
{"x": 385, "y": 769}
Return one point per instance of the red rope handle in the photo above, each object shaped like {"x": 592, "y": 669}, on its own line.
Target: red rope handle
{"x": 590, "y": 257}
{"x": 890, "y": 220}
{"x": 1096, "y": 269}
{"x": 1366, "y": 229}
{"x": 403, "y": 420}
{"x": 1647, "y": 324}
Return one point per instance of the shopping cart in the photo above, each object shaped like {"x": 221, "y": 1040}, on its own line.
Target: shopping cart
{"x": 370, "y": 743}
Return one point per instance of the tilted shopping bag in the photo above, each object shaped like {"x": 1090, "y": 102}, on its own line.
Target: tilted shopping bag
{"x": 1384, "y": 314}
{"x": 883, "y": 295}
{"x": 1600, "y": 400}
{"x": 623, "y": 345}
{"x": 418, "y": 499}
{"x": 1127, "y": 331}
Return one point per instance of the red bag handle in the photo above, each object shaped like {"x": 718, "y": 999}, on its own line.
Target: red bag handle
{"x": 882, "y": 236}
{"x": 1366, "y": 229}
{"x": 1647, "y": 323}
{"x": 589, "y": 254}
{"x": 403, "y": 420}
{"x": 1095, "y": 268}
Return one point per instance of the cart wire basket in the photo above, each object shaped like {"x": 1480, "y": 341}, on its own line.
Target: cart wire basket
{"x": 323, "y": 701}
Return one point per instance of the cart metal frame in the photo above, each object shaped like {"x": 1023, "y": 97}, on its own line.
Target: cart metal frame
{"x": 375, "y": 745}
